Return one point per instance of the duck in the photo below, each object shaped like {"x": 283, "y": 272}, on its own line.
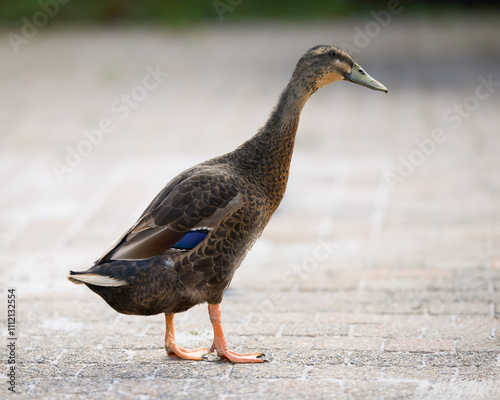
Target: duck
{"x": 187, "y": 245}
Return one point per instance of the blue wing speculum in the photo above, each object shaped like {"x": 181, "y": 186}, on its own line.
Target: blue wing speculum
{"x": 191, "y": 239}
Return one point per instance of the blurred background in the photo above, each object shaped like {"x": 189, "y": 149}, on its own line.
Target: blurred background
{"x": 103, "y": 102}
{"x": 171, "y": 12}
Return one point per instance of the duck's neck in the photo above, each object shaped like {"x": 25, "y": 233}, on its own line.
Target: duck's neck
{"x": 266, "y": 157}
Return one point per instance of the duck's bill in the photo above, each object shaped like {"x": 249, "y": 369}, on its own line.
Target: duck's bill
{"x": 360, "y": 76}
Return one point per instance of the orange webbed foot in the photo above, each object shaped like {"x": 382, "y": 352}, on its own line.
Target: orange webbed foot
{"x": 239, "y": 358}
{"x": 186, "y": 354}
{"x": 220, "y": 344}
{"x": 178, "y": 351}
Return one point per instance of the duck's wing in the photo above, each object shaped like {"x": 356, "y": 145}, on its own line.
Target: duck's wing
{"x": 178, "y": 216}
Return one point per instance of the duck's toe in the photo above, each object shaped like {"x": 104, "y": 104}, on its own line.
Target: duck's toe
{"x": 240, "y": 358}
{"x": 186, "y": 354}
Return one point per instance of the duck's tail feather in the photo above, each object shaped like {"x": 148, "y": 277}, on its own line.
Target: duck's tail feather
{"x": 95, "y": 279}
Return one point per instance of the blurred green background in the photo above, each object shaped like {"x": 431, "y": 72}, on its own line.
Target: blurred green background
{"x": 195, "y": 11}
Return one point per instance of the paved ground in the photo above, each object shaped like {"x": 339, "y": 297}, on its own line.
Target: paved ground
{"x": 379, "y": 277}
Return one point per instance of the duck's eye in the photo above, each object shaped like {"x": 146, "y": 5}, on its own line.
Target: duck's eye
{"x": 332, "y": 53}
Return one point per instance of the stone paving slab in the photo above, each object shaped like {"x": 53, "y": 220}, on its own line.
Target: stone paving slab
{"x": 356, "y": 290}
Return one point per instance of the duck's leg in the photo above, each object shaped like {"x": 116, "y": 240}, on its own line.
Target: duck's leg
{"x": 220, "y": 343}
{"x": 174, "y": 350}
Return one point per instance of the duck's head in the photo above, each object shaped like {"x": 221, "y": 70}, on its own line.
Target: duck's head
{"x": 323, "y": 64}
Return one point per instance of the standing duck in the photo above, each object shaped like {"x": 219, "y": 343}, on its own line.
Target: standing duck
{"x": 188, "y": 243}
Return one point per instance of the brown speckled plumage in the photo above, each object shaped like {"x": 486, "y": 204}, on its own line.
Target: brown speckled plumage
{"x": 227, "y": 201}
